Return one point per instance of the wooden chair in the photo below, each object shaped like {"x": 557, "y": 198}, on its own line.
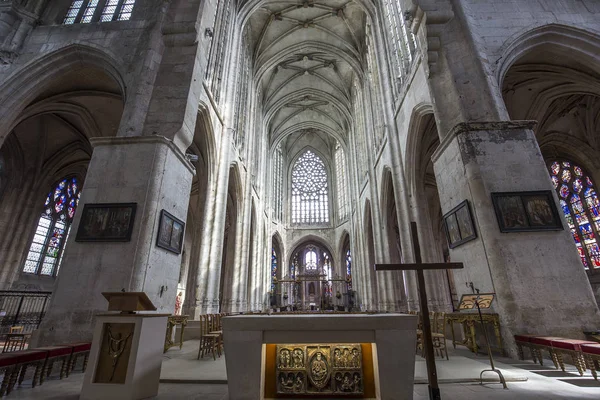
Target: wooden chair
{"x": 14, "y": 342}
{"x": 209, "y": 342}
{"x": 438, "y": 334}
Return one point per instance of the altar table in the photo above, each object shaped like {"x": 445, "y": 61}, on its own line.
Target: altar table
{"x": 335, "y": 340}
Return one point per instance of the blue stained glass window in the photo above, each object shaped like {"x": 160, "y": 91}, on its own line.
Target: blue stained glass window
{"x": 581, "y": 207}
{"x": 53, "y": 227}
{"x": 349, "y": 269}
{"x": 273, "y": 270}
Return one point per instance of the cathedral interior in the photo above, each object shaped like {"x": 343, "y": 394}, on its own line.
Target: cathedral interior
{"x": 256, "y": 157}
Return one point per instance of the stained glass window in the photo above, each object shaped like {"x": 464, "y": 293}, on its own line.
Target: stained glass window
{"x": 88, "y": 11}
{"x": 126, "y": 10}
{"x": 349, "y": 269}
{"x": 83, "y": 11}
{"x": 109, "y": 10}
{"x": 277, "y": 164}
{"x": 218, "y": 46}
{"x": 242, "y": 98}
{"x": 310, "y": 260}
{"x": 310, "y": 201}
{"x": 47, "y": 245}
{"x": 327, "y": 285}
{"x": 342, "y": 182}
{"x": 72, "y": 12}
{"x": 579, "y": 202}
{"x": 401, "y": 39}
{"x": 273, "y": 270}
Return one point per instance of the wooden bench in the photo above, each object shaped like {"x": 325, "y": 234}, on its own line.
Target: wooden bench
{"x": 591, "y": 355}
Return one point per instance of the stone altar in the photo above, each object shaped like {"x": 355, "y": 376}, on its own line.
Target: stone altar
{"x": 251, "y": 346}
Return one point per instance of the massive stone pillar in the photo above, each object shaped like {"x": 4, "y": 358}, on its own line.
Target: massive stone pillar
{"x": 540, "y": 284}
{"x": 153, "y": 173}
{"x": 538, "y": 278}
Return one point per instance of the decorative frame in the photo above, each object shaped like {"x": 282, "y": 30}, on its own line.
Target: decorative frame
{"x": 170, "y": 232}
{"x": 108, "y": 222}
{"x": 459, "y": 225}
{"x": 526, "y": 211}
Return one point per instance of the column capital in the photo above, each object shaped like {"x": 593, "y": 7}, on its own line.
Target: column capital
{"x": 136, "y": 140}
{"x": 479, "y": 126}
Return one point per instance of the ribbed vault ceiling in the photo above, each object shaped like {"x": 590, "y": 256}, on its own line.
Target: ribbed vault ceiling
{"x": 306, "y": 56}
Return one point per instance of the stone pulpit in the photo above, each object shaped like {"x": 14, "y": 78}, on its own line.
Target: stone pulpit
{"x": 126, "y": 354}
{"x": 333, "y": 356}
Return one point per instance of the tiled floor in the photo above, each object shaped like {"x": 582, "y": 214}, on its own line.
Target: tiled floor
{"x": 529, "y": 381}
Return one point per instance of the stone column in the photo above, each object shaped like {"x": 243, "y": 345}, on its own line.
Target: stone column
{"x": 153, "y": 173}
{"x": 538, "y": 278}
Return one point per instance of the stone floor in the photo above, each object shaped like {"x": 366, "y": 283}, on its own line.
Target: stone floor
{"x": 527, "y": 381}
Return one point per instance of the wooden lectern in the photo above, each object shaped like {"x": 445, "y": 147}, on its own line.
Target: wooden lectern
{"x": 128, "y": 302}
{"x": 126, "y": 354}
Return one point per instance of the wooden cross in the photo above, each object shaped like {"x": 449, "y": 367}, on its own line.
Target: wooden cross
{"x": 419, "y": 266}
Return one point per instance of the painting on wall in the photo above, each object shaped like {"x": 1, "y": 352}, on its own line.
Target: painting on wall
{"x": 526, "y": 211}
{"x": 459, "y": 225}
{"x": 110, "y": 222}
{"x": 170, "y": 233}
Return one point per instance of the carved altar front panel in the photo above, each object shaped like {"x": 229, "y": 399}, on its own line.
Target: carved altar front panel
{"x": 308, "y": 369}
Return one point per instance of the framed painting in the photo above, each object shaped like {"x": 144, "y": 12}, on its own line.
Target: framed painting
{"x": 170, "y": 233}
{"x": 526, "y": 211}
{"x": 110, "y": 222}
{"x": 459, "y": 225}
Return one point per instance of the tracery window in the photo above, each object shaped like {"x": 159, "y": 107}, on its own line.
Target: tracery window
{"x": 401, "y": 39}
{"x": 277, "y": 172}
{"x": 310, "y": 260}
{"x": 327, "y": 285}
{"x": 83, "y": 11}
{"x": 349, "y": 269}
{"x": 579, "y": 202}
{"x": 273, "y": 270}
{"x": 242, "y": 98}
{"x": 310, "y": 201}
{"x": 47, "y": 245}
{"x": 359, "y": 132}
{"x": 342, "y": 182}
{"x": 376, "y": 108}
{"x": 218, "y": 47}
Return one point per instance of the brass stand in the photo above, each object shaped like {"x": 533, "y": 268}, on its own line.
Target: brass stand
{"x": 489, "y": 350}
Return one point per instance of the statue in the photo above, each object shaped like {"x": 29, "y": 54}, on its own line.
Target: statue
{"x": 178, "y": 300}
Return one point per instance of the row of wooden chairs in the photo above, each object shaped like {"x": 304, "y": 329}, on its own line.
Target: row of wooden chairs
{"x": 438, "y": 333}
{"x": 211, "y": 335}
{"x": 585, "y": 354}
{"x": 14, "y": 364}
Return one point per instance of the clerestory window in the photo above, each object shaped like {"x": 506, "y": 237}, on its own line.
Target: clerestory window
{"x": 85, "y": 11}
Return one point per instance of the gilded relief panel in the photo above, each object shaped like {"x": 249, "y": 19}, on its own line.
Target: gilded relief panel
{"x": 319, "y": 369}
